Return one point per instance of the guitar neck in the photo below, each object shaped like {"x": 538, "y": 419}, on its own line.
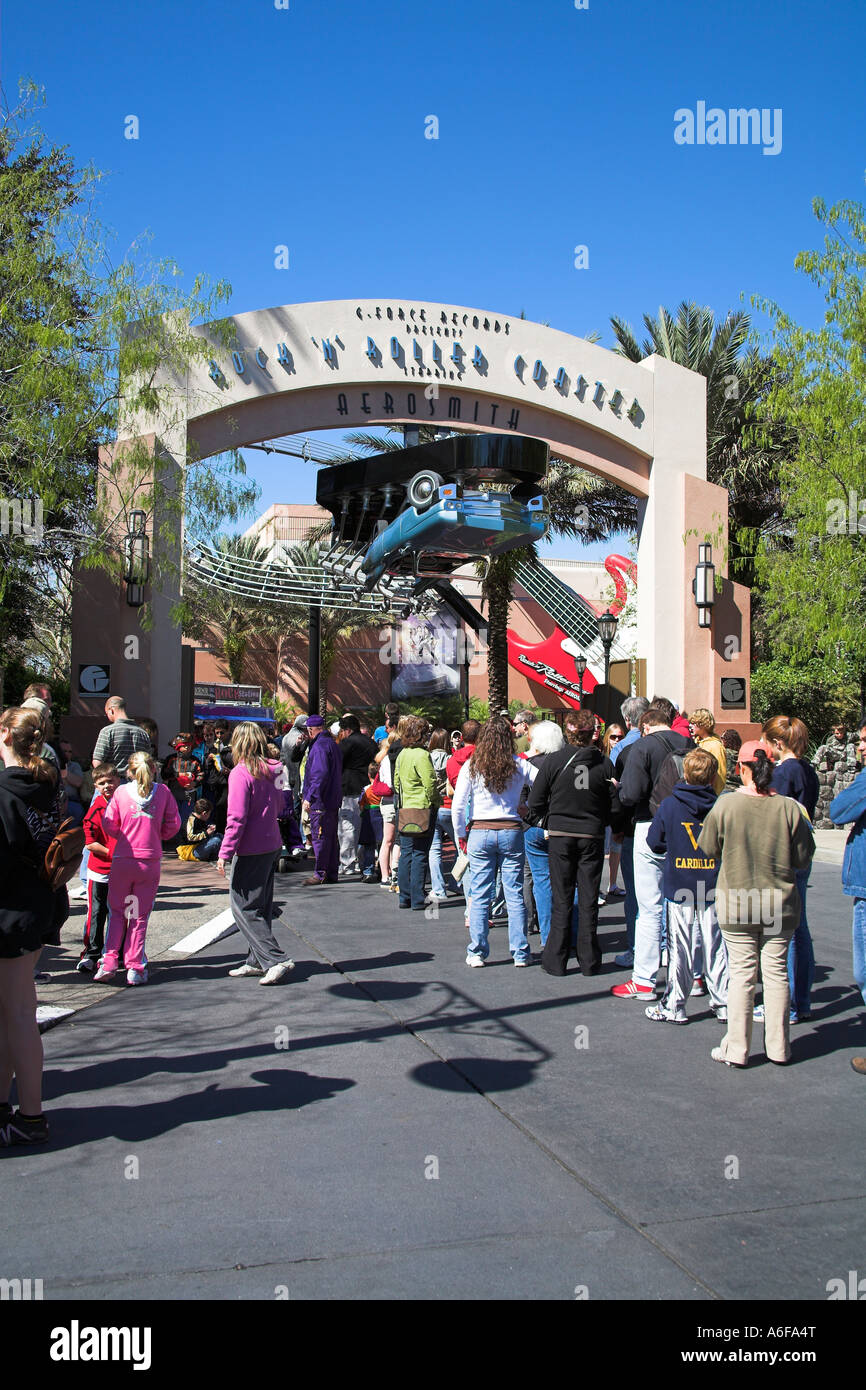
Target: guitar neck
{"x": 572, "y": 613}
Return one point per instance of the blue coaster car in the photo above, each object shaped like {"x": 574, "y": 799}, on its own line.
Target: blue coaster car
{"x": 444, "y": 526}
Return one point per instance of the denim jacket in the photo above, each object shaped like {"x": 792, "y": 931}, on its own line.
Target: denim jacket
{"x": 850, "y": 805}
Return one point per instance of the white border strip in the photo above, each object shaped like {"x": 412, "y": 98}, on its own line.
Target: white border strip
{"x": 214, "y": 930}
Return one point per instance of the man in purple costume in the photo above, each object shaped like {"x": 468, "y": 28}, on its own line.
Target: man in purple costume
{"x": 322, "y": 795}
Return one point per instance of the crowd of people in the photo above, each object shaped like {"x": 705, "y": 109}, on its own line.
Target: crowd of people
{"x": 516, "y": 818}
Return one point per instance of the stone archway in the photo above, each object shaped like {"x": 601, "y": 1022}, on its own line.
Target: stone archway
{"x": 345, "y": 363}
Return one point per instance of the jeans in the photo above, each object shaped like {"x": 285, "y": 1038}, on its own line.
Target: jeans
{"x": 649, "y": 928}
{"x": 209, "y": 848}
{"x": 412, "y": 869}
{"x": 536, "y": 853}
{"x": 626, "y": 864}
{"x": 492, "y": 852}
{"x": 444, "y": 830}
{"x": 859, "y": 939}
{"x": 801, "y": 955}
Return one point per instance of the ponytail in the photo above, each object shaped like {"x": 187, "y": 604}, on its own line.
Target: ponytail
{"x": 143, "y": 769}
{"x": 26, "y": 740}
{"x": 762, "y": 770}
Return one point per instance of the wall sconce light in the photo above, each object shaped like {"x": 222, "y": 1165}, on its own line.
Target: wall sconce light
{"x": 704, "y": 585}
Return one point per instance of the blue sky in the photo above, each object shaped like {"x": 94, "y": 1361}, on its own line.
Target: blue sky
{"x": 304, "y": 126}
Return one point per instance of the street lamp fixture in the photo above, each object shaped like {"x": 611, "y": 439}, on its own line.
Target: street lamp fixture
{"x": 607, "y": 625}
{"x": 704, "y": 585}
{"x": 580, "y": 667}
{"x": 136, "y": 559}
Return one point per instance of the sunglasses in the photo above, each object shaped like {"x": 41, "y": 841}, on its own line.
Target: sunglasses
{"x": 615, "y": 738}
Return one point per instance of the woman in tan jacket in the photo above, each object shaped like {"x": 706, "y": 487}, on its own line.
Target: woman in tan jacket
{"x": 761, "y": 841}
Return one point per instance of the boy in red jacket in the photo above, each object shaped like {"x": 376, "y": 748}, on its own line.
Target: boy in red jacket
{"x": 101, "y": 846}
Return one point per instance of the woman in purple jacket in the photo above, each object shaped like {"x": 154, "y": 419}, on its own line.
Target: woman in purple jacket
{"x": 253, "y": 841}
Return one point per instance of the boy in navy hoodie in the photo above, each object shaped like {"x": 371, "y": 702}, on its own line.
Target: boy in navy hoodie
{"x": 689, "y": 885}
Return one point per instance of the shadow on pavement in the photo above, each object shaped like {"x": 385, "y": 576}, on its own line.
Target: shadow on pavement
{"x": 278, "y": 1090}
{"x": 483, "y": 1073}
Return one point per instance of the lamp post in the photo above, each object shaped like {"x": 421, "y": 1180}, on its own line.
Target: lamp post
{"x": 607, "y": 625}
{"x": 580, "y": 667}
{"x": 136, "y": 559}
{"x": 704, "y": 585}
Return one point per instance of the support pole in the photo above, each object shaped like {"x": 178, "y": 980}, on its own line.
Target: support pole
{"x": 315, "y": 631}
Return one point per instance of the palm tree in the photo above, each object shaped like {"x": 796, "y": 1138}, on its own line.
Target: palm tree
{"x": 212, "y": 608}
{"x": 737, "y": 380}
{"x": 338, "y": 620}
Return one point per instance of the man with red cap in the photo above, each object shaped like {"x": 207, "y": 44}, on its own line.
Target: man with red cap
{"x": 322, "y": 795}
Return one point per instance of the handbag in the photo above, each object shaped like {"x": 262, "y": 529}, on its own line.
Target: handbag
{"x": 413, "y": 820}
{"x": 461, "y": 864}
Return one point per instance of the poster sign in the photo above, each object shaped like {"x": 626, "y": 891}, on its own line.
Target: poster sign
{"x": 425, "y": 658}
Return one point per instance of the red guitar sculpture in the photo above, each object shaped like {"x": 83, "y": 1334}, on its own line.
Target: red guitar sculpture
{"x": 551, "y": 662}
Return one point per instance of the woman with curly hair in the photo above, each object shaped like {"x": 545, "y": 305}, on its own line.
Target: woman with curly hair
{"x": 489, "y": 790}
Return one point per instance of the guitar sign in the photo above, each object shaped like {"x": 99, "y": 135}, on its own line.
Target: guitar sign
{"x": 553, "y": 659}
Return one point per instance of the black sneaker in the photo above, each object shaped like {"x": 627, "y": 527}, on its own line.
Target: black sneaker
{"x": 86, "y": 965}
{"x": 15, "y": 1130}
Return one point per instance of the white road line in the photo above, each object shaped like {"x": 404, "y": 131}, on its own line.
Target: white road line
{"x": 214, "y": 930}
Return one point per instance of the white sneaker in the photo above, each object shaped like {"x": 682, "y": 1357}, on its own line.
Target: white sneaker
{"x": 436, "y": 898}
{"x": 86, "y": 965}
{"x": 136, "y": 977}
{"x": 276, "y": 972}
{"x": 474, "y": 960}
{"x": 242, "y": 970}
{"x": 103, "y": 974}
{"x": 79, "y": 891}
{"x": 602, "y": 900}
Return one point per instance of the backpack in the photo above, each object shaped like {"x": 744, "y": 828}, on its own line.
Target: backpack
{"x": 669, "y": 774}
{"x": 63, "y": 855}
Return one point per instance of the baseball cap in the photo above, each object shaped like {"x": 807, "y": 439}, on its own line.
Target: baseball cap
{"x": 748, "y": 750}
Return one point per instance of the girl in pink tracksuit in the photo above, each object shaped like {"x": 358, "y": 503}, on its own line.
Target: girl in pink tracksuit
{"x": 139, "y": 816}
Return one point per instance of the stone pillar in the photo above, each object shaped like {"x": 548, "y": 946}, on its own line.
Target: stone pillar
{"x": 679, "y": 449}
{"x": 144, "y": 663}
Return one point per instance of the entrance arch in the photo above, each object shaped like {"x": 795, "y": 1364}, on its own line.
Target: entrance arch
{"x": 348, "y": 363}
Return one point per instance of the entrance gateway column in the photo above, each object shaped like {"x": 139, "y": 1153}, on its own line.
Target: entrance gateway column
{"x": 348, "y": 363}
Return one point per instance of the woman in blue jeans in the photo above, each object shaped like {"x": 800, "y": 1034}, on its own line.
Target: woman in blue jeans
{"x": 489, "y": 790}
{"x": 794, "y": 776}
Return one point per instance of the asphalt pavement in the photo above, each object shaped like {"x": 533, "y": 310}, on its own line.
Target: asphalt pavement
{"x": 391, "y": 1124}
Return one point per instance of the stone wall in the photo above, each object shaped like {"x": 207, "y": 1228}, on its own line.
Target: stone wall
{"x": 836, "y": 765}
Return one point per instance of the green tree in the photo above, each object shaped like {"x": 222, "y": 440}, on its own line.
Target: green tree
{"x": 85, "y": 347}
{"x": 814, "y": 569}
